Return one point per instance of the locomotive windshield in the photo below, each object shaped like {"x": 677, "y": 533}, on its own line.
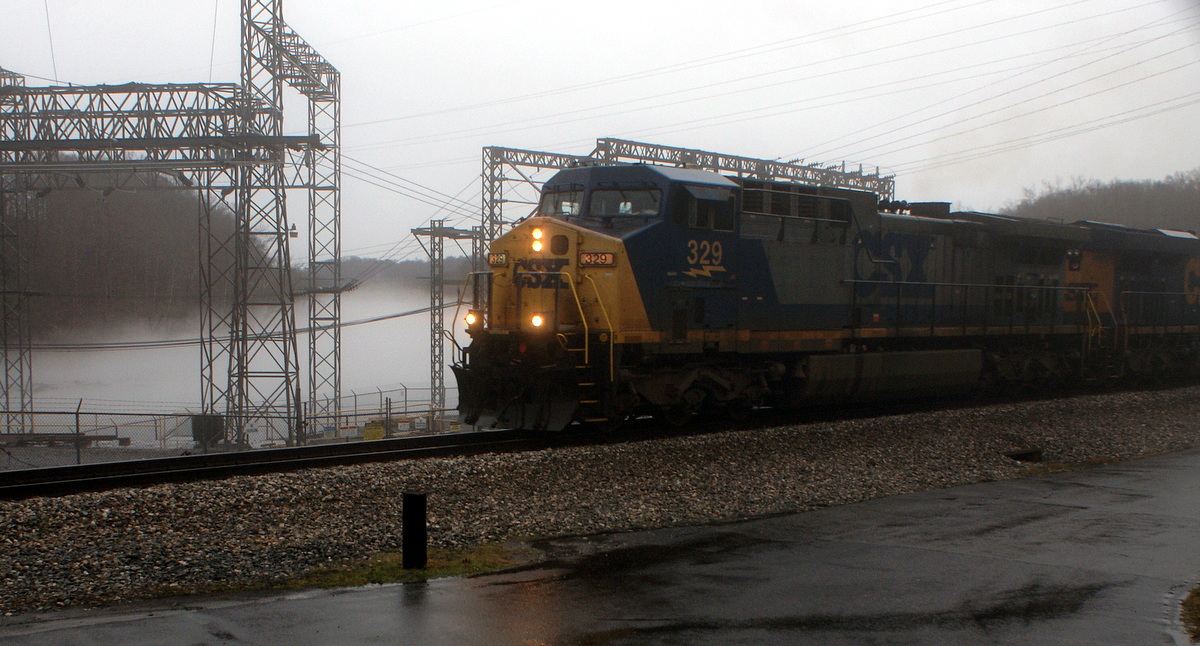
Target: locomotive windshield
{"x": 559, "y": 204}
{"x": 617, "y": 202}
{"x": 607, "y": 208}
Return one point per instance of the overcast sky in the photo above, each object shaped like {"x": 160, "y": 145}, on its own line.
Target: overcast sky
{"x": 969, "y": 101}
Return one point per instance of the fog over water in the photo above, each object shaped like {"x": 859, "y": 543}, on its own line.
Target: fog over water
{"x": 386, "y": 355}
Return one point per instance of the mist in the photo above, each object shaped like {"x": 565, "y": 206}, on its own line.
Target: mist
{"x": 387, "y": 355}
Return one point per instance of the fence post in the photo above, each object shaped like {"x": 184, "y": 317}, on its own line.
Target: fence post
{"x": 414, "y": 553}
{"x": 387, "y": 419}
{"x": 78, "y": 436}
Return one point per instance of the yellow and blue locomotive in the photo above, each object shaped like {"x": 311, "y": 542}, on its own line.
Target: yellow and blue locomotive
{"x": 670, "y": 291}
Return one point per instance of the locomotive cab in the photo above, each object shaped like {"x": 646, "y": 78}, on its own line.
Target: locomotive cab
{"x": 564, "y": 297}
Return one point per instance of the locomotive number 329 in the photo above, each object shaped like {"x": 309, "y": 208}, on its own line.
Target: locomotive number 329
{"x": 703, "y": 252}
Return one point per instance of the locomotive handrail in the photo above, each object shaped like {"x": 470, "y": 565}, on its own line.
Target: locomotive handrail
{"x": 913, "y": 282}
{"x": 608, "y": 322}
{"x": 458, "y": 306}
{"x": 467, "y": 281}
{"x": 1129, "y": 292}
{"x": 984, "y": 286}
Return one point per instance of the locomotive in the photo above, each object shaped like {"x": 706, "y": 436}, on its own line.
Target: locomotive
{"x": 641, "y": 289}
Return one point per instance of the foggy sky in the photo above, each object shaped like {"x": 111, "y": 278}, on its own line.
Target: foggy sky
{"x": 969, "y": 101}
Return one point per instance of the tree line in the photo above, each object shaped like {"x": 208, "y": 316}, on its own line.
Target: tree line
{"x": 100, "y": 258}
{"x": 1170, "y": 203}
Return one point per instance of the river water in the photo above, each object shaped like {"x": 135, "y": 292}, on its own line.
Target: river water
{"x": 386, "y": 359}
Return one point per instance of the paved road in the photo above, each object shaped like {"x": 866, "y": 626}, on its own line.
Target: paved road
{"x": 1094, "y": 557}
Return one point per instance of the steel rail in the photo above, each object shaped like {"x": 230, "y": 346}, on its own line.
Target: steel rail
{"x": 59, "y": 481}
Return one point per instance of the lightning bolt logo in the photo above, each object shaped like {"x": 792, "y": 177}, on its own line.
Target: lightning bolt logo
{"x": 703, "y": 270}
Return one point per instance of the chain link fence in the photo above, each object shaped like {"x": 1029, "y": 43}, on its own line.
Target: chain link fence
{"x": 31, "y": 440}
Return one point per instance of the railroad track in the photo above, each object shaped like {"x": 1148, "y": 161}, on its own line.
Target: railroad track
{"x": 58, "y": 481}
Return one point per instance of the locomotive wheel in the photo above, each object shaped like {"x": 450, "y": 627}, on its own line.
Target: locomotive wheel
{"x": 680, "y": 412}
{"x": 676, "y": 415}
{"x": 739, "y": 409}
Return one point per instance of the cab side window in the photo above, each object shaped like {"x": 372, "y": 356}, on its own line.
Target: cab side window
{"x": 706, "y": 207}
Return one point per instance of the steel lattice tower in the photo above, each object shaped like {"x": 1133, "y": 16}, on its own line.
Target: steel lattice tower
{"x": 226, "y": 142}
{"x": 16, "y": 205}
{"x": 438, "y": 233}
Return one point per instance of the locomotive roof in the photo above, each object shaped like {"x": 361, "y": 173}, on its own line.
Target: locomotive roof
{"x": 638, "y": 172}
{"x": 1082, "y": 232}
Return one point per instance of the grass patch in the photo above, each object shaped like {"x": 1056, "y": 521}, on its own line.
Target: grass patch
{"x": 1190, "y": 614}
{"x": 381, "y": 568}
{"x": 387, "y": 568}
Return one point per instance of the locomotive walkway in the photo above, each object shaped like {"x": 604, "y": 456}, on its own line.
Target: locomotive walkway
{"x": 1101, "y": 556}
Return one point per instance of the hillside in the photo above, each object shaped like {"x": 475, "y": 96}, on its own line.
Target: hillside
{"x": 100, "y": 258}
{"x": 1170, "y": 203}
{"x": 97, "y": 258}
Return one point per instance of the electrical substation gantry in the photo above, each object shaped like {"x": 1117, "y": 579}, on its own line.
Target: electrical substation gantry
{"x": 438, "y": 233}
{"x": 224, "y": 141}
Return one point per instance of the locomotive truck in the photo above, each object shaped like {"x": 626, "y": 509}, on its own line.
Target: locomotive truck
{"x": 640, "y": 289}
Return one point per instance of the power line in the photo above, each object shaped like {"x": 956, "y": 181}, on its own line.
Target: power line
{"x": 420, "y": 187}
{"x": 850, "y": 96}
{"x": 394, "y": 188}
{"x": 695, "y": 63}
{"x": 624, "y": 109}
{"x": 212, "y": 52}
{"x": 941, "y": 103}
{"x": 181, "y": 343}
{"x": 50, "y": 33}
{"x": 1019, "y": 143}
{"x": 1059, "y": 104}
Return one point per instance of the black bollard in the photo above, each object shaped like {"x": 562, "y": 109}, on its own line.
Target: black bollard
{"x": 413, "y": 532}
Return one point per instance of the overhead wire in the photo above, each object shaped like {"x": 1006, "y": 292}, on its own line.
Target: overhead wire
{"x": 863, "y": 93}
{"x": 1008, "y": 106}
{"x": 181, "y": 343}
{"x": 818, "y": 150}
{"x": 795, "y": 41}
{"x": 212, "y": 52}
{"x": 1027, "y": 141}
{"x": 402, "y": 180}
{"x": 1023, "y": 115}
{"x": 50, "y": 34}
{"x": 623, "y": 107}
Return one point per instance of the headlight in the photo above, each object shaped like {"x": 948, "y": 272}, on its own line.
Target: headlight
{"x": 537, "y": 320}
{"x": 537, "y": 245}
{"x": 537, "y": 234}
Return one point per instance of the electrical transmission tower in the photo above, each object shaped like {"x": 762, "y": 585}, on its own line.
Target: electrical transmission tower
{"x": 224, "y": 141}
{"x": 16, "y": 208}
{"x": 438, "y": 233}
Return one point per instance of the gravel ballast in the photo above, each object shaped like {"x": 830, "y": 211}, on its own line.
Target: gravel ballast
{"x": 100, "y": 548}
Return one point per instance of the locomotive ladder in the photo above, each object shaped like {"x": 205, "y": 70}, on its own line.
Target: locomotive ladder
{"x": 592, "y": 391}
{"x": 1101, "y": 344}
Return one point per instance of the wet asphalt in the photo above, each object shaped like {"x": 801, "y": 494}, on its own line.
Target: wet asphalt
{"x": 1100, "y": 556}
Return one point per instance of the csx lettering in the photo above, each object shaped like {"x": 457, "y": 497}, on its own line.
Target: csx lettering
{"x": 544, "y": 274}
